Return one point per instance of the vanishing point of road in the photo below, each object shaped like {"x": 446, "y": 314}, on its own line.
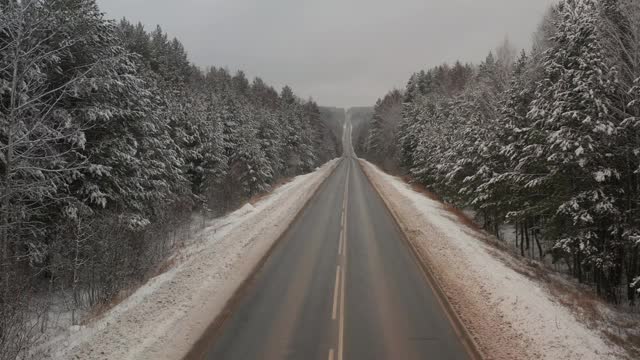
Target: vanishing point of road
{"x": 341, "y": 283}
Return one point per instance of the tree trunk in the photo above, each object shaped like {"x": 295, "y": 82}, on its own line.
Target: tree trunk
{"x": 522, "y": 230}
{"x": 535, "y": 236}
{"x": 526, "y": 234}
{"x": 517, "y": 233}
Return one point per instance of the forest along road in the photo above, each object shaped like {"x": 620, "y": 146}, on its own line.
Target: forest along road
{"x": 340, "y": 284}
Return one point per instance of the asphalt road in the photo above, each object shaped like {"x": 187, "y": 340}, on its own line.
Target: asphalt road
{"x": 340, "y": 284}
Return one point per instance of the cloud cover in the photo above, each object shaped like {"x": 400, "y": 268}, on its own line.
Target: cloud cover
{"x": 340, "y": 52}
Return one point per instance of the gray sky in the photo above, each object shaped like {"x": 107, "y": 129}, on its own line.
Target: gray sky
{"x": 340, "y": 52}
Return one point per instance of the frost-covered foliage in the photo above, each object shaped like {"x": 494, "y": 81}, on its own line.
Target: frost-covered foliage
{"x": 379, "y": 138}
{"x": 109, "y": 139}
{"x": 546, "y": 141}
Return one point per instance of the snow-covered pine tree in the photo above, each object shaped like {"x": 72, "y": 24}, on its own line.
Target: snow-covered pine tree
{"x": 249, "y": 166}
{"x": 479, "y": 157}
{"x": 307, "y": 149}
{"x": 271, "y": 140}
{"x": 381, "y": 144}
{"x": 291, "y": 121}
{"x": 573, "y": 112}
{"x": 322, "y": 139}
{"x": 620, "y": 27}
{"x": 201, "y": 141}
{"x": 135, "y": 39}
{"x": 408, "y": 127}
{"x": 372, "y": 141}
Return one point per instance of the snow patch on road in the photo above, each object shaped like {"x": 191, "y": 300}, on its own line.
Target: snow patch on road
{"x": 167, "y": 315}
{"x": 509, "y": 315}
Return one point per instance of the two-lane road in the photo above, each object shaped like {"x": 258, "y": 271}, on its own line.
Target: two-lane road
{"x": 340, "y": 284}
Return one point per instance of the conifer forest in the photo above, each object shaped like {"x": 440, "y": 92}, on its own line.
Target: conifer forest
{"x": 545, "y": 140}
{"x": 149, "y": 200}
{"x": 109, "y": 140}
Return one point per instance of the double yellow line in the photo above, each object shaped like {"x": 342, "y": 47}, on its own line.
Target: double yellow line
{"x": 339, "y": 289}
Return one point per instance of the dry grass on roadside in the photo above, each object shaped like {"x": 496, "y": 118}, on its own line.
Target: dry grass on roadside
{"x": 459, "y": 214}
{"x": 620, "y": 326}
{"x": 256, "y": 198}
{"x": 101, "y": 310}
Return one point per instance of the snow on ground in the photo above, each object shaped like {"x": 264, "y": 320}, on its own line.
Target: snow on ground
{"x": 166, "y": 316}
{"x": 509, "y": 315}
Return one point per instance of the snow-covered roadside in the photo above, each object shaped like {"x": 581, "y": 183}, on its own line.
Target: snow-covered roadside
{"x": 509, "y": 315}
{"x": 166, "y": 316}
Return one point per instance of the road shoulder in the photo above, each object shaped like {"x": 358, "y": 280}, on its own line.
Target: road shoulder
{"x": 164, "y": 318}
{"x": 508, "y": 314}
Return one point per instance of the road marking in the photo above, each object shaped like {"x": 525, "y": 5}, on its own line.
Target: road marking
{"x": 341, "y": 325}
{"x": 335, "y": 294}
{"x": 330, "y": 354}
{"x": 344, "y": 267}
{"x": 340, "y": 243}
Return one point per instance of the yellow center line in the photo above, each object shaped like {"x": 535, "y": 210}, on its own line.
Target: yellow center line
{"x": 335, "y": 294}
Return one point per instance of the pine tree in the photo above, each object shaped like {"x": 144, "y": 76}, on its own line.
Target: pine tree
{"x": 248, "y": 164}
{"x": 202, "y": 142}
{"x": 573, "y": 113}
{"x": 271, "y": 140}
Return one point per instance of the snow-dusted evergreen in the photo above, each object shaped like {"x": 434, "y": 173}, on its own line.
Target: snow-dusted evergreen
{"x": 109, "y": 139}
{"x": 546, "y": 141}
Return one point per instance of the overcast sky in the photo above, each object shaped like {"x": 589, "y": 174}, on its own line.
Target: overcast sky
{"x": 340, "y": 52}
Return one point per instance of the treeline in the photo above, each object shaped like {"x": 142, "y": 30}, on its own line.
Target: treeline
{"x": 547, "y": 141}
{"x": 360, "y": 118}
{"x": 109, "y": 140}
{"x": 334, "y": 118}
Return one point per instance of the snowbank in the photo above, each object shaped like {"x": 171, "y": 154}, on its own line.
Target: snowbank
{"x": 509, "y": 315}
{"x": 164, "y": 318}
